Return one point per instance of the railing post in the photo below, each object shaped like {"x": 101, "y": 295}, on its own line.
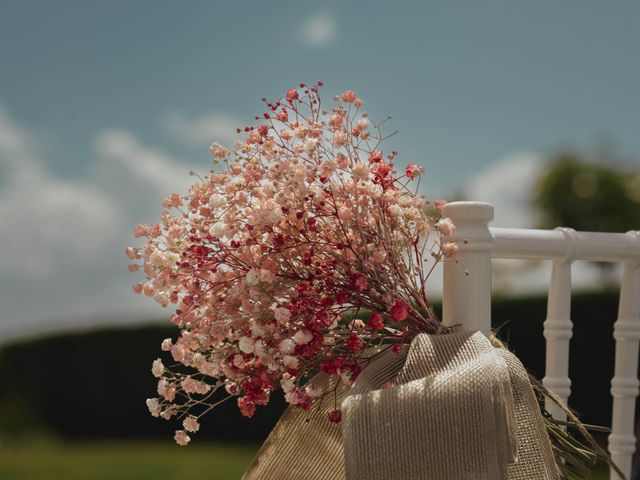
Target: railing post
{"x": 624, "y": 386}
{"x": 558, "y": 327}
{"x": 466, "y": 296}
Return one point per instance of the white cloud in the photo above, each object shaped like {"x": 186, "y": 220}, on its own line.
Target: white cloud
{"x": 204, "y": 130}
{"x": 508, "y": 185}
{"x": 120, "y": 152}
{"x": 42, "y": 215}
{"x": 62, "y": 258}
{"x": 319, "y": 30}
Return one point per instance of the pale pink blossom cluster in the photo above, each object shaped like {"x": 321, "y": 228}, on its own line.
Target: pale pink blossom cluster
{"x": 303, "y": 251}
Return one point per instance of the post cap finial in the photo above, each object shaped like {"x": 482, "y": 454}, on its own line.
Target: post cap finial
{"x": 480, "y": 212}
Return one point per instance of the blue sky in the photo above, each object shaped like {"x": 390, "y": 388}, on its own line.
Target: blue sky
{"x": 105, "y": 106}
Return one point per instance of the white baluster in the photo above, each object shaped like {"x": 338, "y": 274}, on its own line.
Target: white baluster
{"x": 624, "y": 386}
{"x": 558, "y": 328}
{"x": 467, "y": 282}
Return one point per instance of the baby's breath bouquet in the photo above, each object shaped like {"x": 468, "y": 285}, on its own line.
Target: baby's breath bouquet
{"x": 273, "y": 259}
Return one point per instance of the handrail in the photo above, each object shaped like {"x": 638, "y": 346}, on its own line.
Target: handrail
{"x": 522, "y": 243}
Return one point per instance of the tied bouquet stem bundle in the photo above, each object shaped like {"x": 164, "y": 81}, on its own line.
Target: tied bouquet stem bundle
{"x": 299, "y": 252}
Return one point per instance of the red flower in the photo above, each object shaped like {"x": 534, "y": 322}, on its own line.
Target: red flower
{"x": 399, "y": 311}
{"x": 335, "y": 416}
{"x": 247, "y": 407}
{"x": 354, "y": 342}
{"x": 375, "y": 156}
{"x": 376, "y": 322}
{"x": 383, "y": 169}
{"x": 359, "y": 282}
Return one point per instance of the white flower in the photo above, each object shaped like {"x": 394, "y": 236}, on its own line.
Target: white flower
{"x": 311, "y": 145}
{"x": 266, "y": 276}
{"x": 302, "y": 337}
{"x": 396, "y": 210}
{"x": 291, "y": 361}
{"x": 314, "y": 391}
{"x": 361, "y": 171}
{"x": 181, "y": 438}
{"x": 283, "y": 315}
{"x": 256, "y": 330}
{"x": 445, "y": 226}
{"x": 166, "y": 345}
{"x": 287, "y": 346}
{"x": 218, "y": 229}
{"x": 246, "y": 344}
{"x": 154, "y": 406}
{"x": 161, "y": 298}
{"x": 287, "y": 382}
{"x": 157, "y": 368}
{"x": 238, "y": 361}
{"x": 253, "y": 277}
{"x": 216, "y": 201}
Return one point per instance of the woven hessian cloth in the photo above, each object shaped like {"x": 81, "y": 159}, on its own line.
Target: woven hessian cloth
{"x": 459, "y": 409}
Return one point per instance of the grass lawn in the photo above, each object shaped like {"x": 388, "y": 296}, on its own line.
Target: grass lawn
{"x": 124, "y": 461}
{"x": 129, "y": 460}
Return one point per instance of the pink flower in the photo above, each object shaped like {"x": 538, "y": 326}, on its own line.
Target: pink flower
{"x": 413, "y": 170}
{"x": 292, "y": 94}
{"x": 191, "y": 424}
{"x": 399, "y": 311}
{"x": 181, "y": 438}
{"x": 450, "y": 249}
{"x": 348, "y": 96}
{"x": 140, "y": 230}
{"x": 166, "y": 390}
{"x": 440, "y": 205}
{"x": 158, "y": 368}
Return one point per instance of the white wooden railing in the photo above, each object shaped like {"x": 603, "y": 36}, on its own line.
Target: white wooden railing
{"x": 467, "y": 301}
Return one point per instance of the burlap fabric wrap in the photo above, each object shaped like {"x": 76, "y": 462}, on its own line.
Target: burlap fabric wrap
{"x": 460, "y": 409}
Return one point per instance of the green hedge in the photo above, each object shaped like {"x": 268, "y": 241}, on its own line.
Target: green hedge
{"x": 94, "y": 384}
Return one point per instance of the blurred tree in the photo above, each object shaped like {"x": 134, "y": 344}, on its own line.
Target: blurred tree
{"x": 588, "y": 195}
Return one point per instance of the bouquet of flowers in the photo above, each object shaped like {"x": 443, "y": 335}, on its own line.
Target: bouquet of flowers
{"x": 303, "y": 251}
